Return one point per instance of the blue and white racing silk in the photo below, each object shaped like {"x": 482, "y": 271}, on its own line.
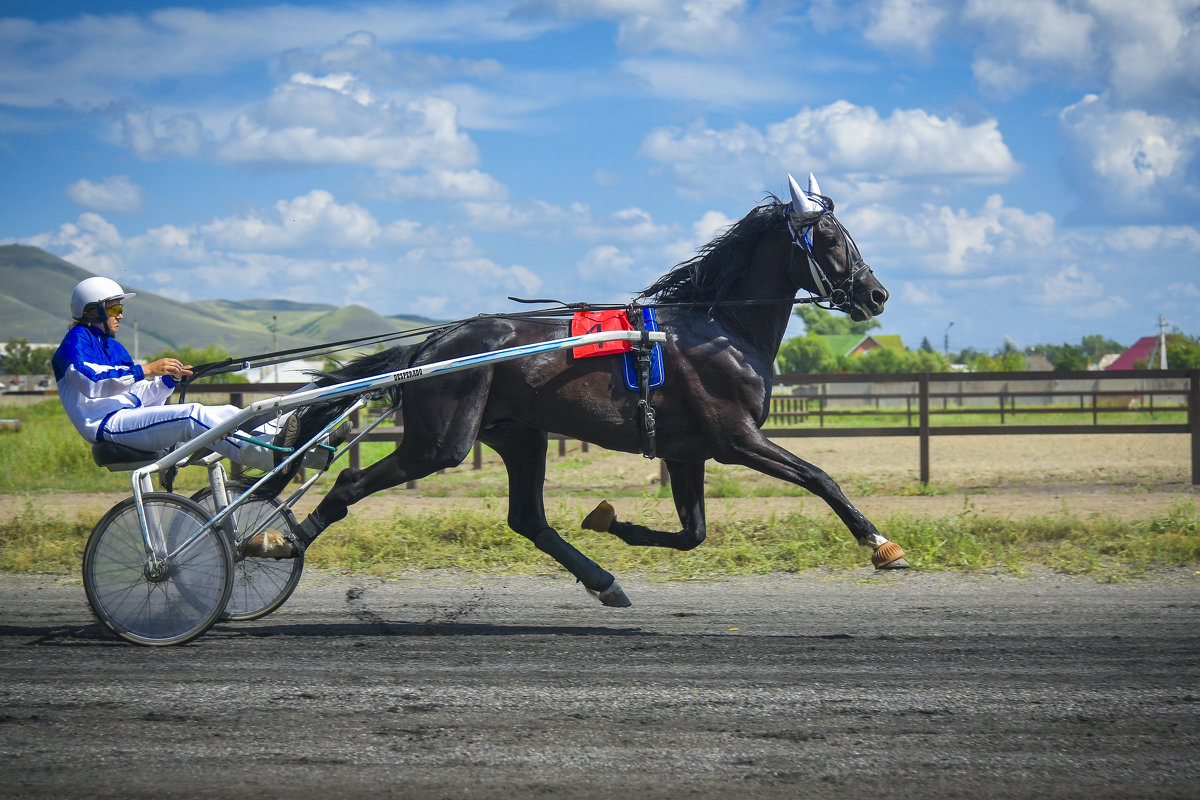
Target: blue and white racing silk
{"x": 97, "y": 377}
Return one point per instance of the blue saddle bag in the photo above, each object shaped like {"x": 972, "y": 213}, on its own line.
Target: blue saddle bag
{"x": 656, "y": 363}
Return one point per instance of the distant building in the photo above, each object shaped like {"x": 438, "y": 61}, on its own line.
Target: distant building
{"x": 1141, "y": 350}
{"x": 853, "y": 345}
{"x": 1038, "y": 364}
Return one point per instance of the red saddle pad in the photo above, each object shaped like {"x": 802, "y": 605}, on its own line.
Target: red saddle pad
{"x": 596, "y": 321}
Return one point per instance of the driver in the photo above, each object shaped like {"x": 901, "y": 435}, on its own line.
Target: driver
{"x": 110, "y": 398}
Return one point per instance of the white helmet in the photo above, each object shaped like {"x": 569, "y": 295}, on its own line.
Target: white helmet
{"x": 95, "y": 290}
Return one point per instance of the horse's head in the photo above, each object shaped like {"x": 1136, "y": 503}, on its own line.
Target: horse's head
{"x": 836, "y": 269}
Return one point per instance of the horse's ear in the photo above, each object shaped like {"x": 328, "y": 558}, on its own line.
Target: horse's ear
{"x": 813, "y": 188}
{"x": 801, "y": 201}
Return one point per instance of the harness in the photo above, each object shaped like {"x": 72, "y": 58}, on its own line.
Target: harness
{"x": 643, "y": 356}
{"x": 840, "y": 295}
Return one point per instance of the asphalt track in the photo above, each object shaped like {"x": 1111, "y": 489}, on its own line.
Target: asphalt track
{"x": 889, "y": 685}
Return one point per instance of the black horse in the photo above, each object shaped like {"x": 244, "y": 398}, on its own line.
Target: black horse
{"x": 724, "y": 313}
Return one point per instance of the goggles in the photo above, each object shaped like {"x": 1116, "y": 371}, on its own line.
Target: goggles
{"x": 115, "y": 311}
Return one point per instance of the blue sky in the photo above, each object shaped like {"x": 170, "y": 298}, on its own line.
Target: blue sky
{"x": 1026, "y": 169}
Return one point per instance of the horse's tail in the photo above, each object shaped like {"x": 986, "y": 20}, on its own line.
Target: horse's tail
{"x": 316, "y": 416}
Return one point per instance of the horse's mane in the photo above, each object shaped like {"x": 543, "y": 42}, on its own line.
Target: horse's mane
{"x": 719, "y": 264}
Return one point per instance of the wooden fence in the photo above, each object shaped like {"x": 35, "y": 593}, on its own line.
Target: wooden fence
{"x": 814, "y": 405}
{"x": 913, "y": 404}
{"x": 1099, "y": 400}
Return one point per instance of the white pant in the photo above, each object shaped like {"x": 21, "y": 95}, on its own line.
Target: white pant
{"x": 155, "y": 428}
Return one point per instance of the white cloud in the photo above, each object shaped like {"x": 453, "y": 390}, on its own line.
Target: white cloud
{"x": 1184, "y": 291}
{"x": 444, "y": 184}
{"x": 1076, "y": 294}
{"x": 710, "y": 81}
{"x": 604, "y": 177}
{"x": 177, "y": 136}
{"x": 603, "y": 262}
{"x": 911, "y": 294}
{"x": 313, "y": 218}
{"x": 840, "y": 138}
{"x": 627, "y": 225}
{"x": 1003, "y": 78}
{"x": 515, "y": 276}
{"x": 117, "y": 194}
{"x": 904, "y": 23}
{"x": 1044, "y": 31}
{"x": 955, "y": 242}
{"x": 92, "y": 243}
{"x": 701, "y": 27}
{"x": 690, "y": 26}
{"x": 1128, "y": 161}
{"x": 92, "y": 59}
{"x": 339, "y": 121}
{"x": 710, "y": 225}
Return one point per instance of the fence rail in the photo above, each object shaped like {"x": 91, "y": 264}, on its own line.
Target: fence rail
{"x": 812, "y": 405}
{"x": 997, "y": 393}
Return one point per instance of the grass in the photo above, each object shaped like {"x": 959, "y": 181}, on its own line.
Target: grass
{"x": 1103, "y": 547}
{"x": 48, "y": 454}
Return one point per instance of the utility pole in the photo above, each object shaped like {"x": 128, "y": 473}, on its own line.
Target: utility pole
{"x": 1162, "y": 342}
{"x": 946, "y": 342}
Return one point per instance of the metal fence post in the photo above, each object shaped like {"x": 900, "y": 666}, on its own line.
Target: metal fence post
{"x": 923, "y": 406}
{"x": 1194, "y": 421}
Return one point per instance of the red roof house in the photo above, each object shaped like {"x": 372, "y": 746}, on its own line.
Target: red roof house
{"x": 1141, "y": 350}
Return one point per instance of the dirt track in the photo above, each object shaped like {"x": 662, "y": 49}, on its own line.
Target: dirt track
{"x": 901, "y": 685}
{"x": 862, "y": 684}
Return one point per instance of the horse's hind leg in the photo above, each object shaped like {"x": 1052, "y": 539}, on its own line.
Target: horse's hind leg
{"x": 687, "y": 489}
{"x": 523, "y": 449}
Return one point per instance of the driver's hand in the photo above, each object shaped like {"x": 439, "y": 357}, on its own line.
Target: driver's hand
{"x": 168, "y": 366}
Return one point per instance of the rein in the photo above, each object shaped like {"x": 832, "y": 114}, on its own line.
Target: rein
{"x": 828, "y": 295}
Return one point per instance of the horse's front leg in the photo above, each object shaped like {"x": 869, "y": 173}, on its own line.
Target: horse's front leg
{"x": 759, "y": 453}
{"x": 687, "y": 489}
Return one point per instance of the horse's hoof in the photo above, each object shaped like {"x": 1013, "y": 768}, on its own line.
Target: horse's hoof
{"x": 612, "y": 596}
{"x": 270, "y": 544}
{"x": 889, "y": 556}
{"x": 601, "y": 518}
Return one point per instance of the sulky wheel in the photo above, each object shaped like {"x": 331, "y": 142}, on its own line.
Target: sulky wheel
{"x": 150, "y": 601}
{"x": 260, "y": 585}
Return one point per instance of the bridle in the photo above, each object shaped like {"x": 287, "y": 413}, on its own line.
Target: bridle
{"x": 839, "y": 295}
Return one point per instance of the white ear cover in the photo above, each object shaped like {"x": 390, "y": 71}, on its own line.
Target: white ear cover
{"x": 800, "y": 201}
{"x": 813, "y": 188}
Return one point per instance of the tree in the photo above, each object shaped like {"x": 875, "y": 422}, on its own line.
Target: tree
{"x": 808, "y": 354}
{"x": 829, "y": 323}
{"x": 885, "y": 359}
{"x": 926, "y": 347}
{"x": 1001, "y": 362}
{"x": 968, "y": 355}
{"x": 21, "y": 359}
{"x": 1097, "y": 346}
{"x": 1183, "y": 351}
{"x": 1066, "y": 358}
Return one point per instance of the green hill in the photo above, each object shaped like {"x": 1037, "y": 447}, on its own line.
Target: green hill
{"x": 35, "y": 288}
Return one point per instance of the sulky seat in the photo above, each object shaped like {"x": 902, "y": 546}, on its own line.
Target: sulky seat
{"x": 119, "y": 458}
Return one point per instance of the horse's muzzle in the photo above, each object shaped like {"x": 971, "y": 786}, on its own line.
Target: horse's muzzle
{"x": 867, "y": 304}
